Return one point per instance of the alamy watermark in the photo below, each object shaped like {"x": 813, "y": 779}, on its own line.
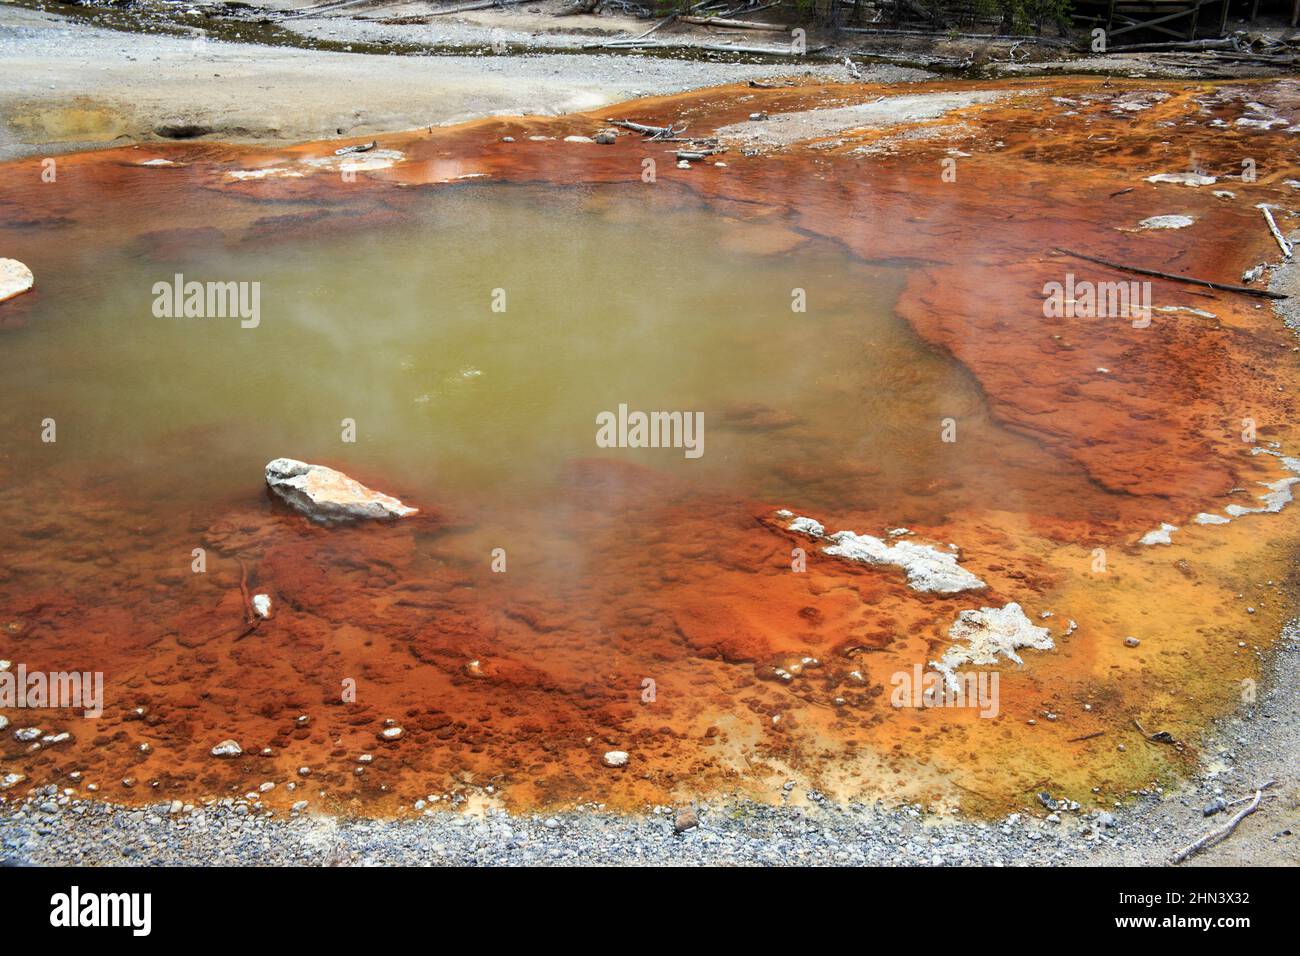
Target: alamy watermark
{"x": 626, "y": 429}
{"x": 179, "y": 299}
{"x": 1073, "y": 299}
{"x": 921, "y": 688}
{"x": 75, "y": 689}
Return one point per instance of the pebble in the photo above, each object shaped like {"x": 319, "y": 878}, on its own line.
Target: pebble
{"x": 227, "y": 748}
{"x": 615, "y": 758}
{"x": 1131, "y": 642}
{"x": 687, "y": 818}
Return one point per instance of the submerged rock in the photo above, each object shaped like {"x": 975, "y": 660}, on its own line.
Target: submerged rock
{"x": 327, "y": 496}
{"x": 15, "y": 278}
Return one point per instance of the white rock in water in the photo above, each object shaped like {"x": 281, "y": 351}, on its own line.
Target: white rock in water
{"x": 1185, "y": 179}
{"x": 327, "y": 496}
{"x": 1160, "y": 535}
{"x": 615, "y": 758}
{"x": 15, "y": 278}
{"x": 4, "y": 721}
{"x": 1166, "y": 222}
{"x": 262, "y": 605}
{"x": 227, "y": 748}
{"x": 11, "y": 780}
{"x": 990, "y": 633}
{"x": 928, "y": 569}
{"x": 391, "y": 733}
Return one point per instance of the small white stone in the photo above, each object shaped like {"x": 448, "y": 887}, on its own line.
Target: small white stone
{"x": 262, "y": 605}
{"x": 227, "y": 748}
{"x": 615, "y": 758}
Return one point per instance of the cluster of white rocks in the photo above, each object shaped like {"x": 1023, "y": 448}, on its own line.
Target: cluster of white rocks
{"x": 928, "y": 569}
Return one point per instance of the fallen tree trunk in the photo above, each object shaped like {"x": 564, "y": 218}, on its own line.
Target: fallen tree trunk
{"x": 1048, "y": 41}
{"x": 1223, "y": 286}
{"x": 446, "y": 11}
{"x": 711, "y": 47}
{"x": 738, "y": 24}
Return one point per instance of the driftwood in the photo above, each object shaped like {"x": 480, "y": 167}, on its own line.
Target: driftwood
{"x": 445, "y": 11}
{"x": 1226, "y": 43}
{"x": 1277, "y": 233}
{"x": 654, "y": 132}
{"x": 321, "y": 8}
{"x": 360, "y": 148}
{"x": 1221, "y": 834}
{"x": 1209, "y": 284}
{"x": 1046, "y": 41}
{"x": 736, "y": 24}
{"x": 710, "y": 47}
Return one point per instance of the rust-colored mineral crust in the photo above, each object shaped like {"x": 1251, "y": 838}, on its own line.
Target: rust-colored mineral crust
{"x": 679, "y": 634}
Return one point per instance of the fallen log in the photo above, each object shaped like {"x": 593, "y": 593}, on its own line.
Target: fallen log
{"x": 1226, "y": 43}
{"x": 736, "y": 24}
{"x": 1208, "y": 283}
{"x": 447, "y": 11}
{"x": 1277, "y": 233}
{"x": 1221, "y": 834}
{"x": 711, "y": 47}
{"x": 654, "y": 132}
{"x": 871, "y": 31}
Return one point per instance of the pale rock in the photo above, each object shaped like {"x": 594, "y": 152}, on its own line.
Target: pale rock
{"x": 1160, "y": 535}
{"x": 15, "y": 278}
{"x": 262, "y": 605}
{"x": 615, "y": 758}
{"x": 327, "y": 496}
{"x": 1166, "y": 222}
{"x": 227, "y": 748}
{"x": 1185, "y": 179}
{"x": 928, "y": 569}
{"x": 990, "y": 633}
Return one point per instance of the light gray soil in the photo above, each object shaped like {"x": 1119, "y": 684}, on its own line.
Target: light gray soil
{"x": 65, "y": 86}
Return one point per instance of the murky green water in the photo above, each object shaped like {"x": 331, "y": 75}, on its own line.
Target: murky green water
{"x": 474, "y": 347}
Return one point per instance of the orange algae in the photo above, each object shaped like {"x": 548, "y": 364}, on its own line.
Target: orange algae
{"x": 511, "y": 687}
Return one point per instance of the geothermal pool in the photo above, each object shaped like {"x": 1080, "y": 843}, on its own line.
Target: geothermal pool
{"x": 448, "y": 331}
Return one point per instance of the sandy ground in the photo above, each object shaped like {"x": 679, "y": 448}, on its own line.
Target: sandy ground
{"x": 65, "y": 86}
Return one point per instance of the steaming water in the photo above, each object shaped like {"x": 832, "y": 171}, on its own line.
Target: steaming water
{"x": 605, "y": 302}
